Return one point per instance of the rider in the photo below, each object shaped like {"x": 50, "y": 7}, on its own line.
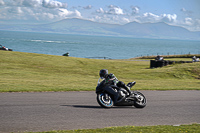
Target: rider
{"x": 110, "y": 79}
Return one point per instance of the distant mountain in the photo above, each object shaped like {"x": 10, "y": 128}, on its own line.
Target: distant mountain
{"x": 79, "y": 26}
{"x": 159, "y": 30}
{"x": 133, "y": 29}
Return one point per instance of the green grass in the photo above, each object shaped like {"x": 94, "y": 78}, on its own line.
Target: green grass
{"x": 194, "y": 128}
{"x": 38, "y": 72}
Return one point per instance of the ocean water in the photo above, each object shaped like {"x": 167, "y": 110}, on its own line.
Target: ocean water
{"x": 94, "y": 46}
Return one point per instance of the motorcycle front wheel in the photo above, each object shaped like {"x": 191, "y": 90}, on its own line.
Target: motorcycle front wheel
{"x": 140, "y": 100}
{"x": 104, "y": 100}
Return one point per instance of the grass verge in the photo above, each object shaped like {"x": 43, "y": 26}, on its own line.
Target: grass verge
{"x": 194, "y": 128}
{"x": 29, "y": 72}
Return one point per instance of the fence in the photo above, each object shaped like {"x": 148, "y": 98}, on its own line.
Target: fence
{"x": 98, "y": 57}
{"x": 167, "y": 54}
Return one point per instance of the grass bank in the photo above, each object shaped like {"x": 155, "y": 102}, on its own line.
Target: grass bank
{"x": 29, "y": 72}
{"x": 194, "y": 128}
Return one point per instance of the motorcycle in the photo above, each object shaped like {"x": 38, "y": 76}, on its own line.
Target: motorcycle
{"x": 4, "y": 48}
{"x": 104, "y": 99}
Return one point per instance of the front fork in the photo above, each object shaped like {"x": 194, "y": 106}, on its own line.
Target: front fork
{"x": 106, "y": 96}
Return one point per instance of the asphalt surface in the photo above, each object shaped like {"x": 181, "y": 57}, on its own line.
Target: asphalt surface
{"x": 47, "y": 111}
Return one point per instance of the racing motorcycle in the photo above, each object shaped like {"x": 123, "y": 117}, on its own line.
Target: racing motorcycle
{"x": 104, "y": 99}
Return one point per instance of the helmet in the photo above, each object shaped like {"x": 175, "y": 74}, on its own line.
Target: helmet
{"x": 103, "y": 73}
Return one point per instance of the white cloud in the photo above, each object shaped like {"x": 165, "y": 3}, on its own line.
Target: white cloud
{"x": 187, "y": 12}
{"x": 147, "y": 17}
{"x": 125, "y": 20}
{"x": 35, "y": 10}
{"x": 15, "y": 10}
{"x": 88, "y": 7}
{"x": 100, "y": 10}
{"x": 135, "y": 10}
{"x": 168, "y": 17}
{"x": 2, "y": 2}
{"x": 29, "y": 3}
{"x": 35, "y": 3}
{"x": 110, "y": 19}
{"x": 116, "y": 15}
{"x": 188, "y": 21}
{"x": 190, "y": 24}
{"x": 113, "y": 10}
{"x": 153, "y": 18}
{"x": 64, "y": 13}
{"x": 53, "y": 4}
{"x": 52, "y": 10}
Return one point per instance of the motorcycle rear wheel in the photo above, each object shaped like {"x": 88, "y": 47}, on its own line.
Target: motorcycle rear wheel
{"x": 140, "y": 100}
{"x": 103, "y": 101}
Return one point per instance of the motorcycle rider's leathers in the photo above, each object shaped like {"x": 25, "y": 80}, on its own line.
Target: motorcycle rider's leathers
{"x": 111, "y": 79}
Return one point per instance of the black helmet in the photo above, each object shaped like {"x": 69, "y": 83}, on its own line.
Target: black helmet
{"x": 103, "y": 73}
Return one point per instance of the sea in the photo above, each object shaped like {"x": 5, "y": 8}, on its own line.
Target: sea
{"x": 98, "y": 47}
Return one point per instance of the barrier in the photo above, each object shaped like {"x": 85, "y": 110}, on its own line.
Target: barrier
{"x": 161, "y": 63}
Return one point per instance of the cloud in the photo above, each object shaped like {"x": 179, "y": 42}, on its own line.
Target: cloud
{"x": 188, "y": 21}
{"x": 34, "y": 3}
{"x": 135, "y": 10}
{"x": 65, "y": 13}
{"x": 153, "y": 18}
{"x": 2, "y": 2}
{"x": 111, "y": 19}
{"x": 168, "y": 17}
{"x": 53, "y": 4}
{"x": 113, "y": 10}
{"x": 115, "y": 14}
{"x": 45, "y": 11}
{"x": 149, "y": 17}
{"x": 111, "y": 14}
{"x": 27, "y": 3}
{"x": 193, "y": 24}
{"x": 186, "y": 12}
{"x": 190, "y": 24}
{"x": 100, "y": 10}
{"x": 35, "y": 10}
{"x": 88, "y": 7}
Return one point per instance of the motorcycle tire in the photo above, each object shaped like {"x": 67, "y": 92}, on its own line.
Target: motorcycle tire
{"x": 140, "y": 100}
{"x": 103, "y": 101}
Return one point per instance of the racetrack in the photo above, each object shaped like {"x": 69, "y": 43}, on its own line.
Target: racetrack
{"x": 79, "y": 110}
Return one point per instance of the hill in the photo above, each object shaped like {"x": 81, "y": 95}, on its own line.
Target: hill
{"x": 159, "y": 30}
{"x": 132, "y": 29}
{"x": 39, "y": 72}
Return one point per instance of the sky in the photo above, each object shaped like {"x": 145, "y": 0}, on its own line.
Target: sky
{"x": 184, "y": 13}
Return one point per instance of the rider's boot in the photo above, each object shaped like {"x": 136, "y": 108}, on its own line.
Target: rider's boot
{"x": 128, "y": 90}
